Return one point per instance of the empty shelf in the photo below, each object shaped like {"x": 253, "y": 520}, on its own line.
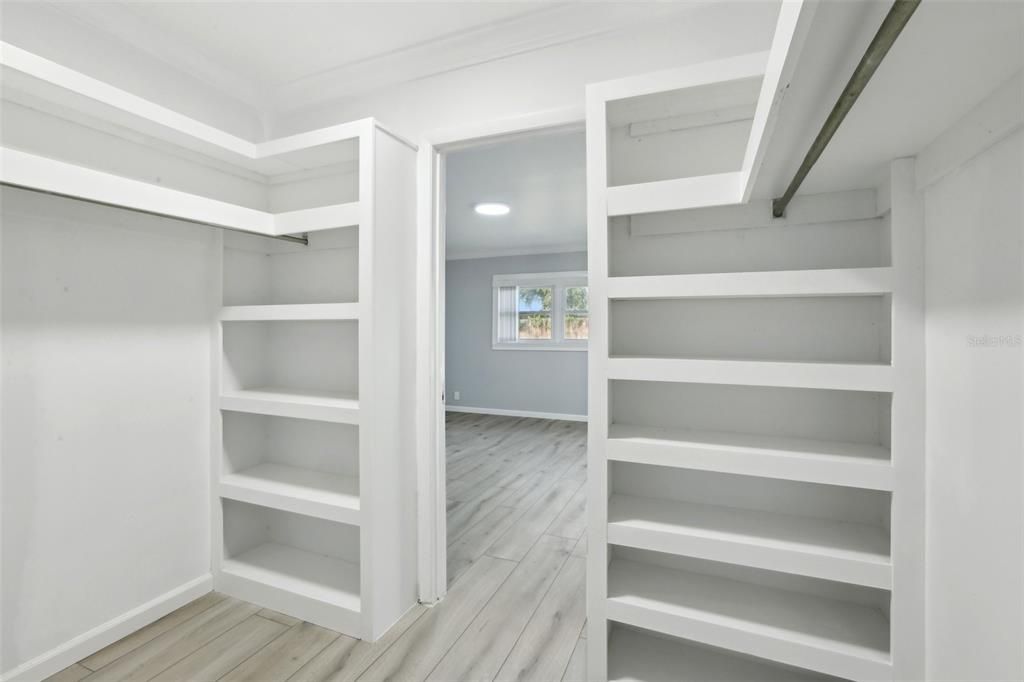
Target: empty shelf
{"x": 794, "y": 459}
{"x": 635, "y": 656}
{"x": 838, "y": 282}
{"x": 834, "y": 550}
{"x": 321, "y": 589}
{"x": 841, "y": 376}
{"x": 305, "y": 311}
{"x": 811, "y": 632}
{"x": 313, "y": 493}
{"x": 282, "y": 402}
{"x": 674, "y": 195}
{"x": 80, "y": 182}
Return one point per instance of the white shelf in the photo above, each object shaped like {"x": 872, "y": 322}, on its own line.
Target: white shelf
{"x": 842, "y": 376}
{"x": 794, "y": 459}
{"x": 816, "y": 633}
{"x": 674, "y": 195}
{"x": 313, "y": 493}
{"x": 282, "y": 402}
{"x": 301, "y": 311}
{"x": 837, "y": 282}
{"x": 635, "y": 656}
{"x": 318, "y": 218}
{"x": 833, "y": 550}
{"x": 66, "y": 179}
{"x": 317, "y": 588}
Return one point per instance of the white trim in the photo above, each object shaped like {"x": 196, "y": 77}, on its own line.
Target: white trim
{"x": 675, "y": 195}
{"x": 430, "y": 264}
{"x": 513, "y": 251}
{"x": 517, "y": 413}
{"x": 60, "y": 76}
{"x": 40, "y": 173}
{"x": 791, "y": 30}
{"x": 908, "y": 518}
{"x": 74, "y": 81}
{"x": 429, "y": 411}
{"x": 88, "y": 643}
{"x": 805, "y": 209}
{"x": 541, "y": 344}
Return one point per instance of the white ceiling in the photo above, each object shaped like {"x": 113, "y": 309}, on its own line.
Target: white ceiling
{"x": 280, "y": 57}
{"x": 541, "y": 177}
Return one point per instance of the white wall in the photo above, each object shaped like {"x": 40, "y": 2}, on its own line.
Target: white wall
{"x": 525, "y": 380}
{"x": 975, "y": 393}
{"x": 106, "y": 319}
{"x": 552, "y": 78}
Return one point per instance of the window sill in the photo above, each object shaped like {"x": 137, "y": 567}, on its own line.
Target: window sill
{"x": 540, "y": 346}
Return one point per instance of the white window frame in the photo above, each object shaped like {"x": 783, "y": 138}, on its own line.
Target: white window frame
{"x": 559, "y": 281}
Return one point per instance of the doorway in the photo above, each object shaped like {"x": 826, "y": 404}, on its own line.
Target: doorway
{"x": 508, "y": 319}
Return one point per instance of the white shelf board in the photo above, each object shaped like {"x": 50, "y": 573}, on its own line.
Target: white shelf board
{"x": 635, "y": 656}
{"x": 842, "y": 376}
{"x": 283, "y": 402}
{"x": 815, "y": 633}
{"x": 314, "y": 587}
{"x": 832, "y": 550}
{"x": 838, "y": 282}
{"x": 298, "y": 311}
{"x": 674, "y": 195}
{"x": 73, "y": 93}
{"x": 692, "y": 78}
{"x": 795, "y": 459}
{"x": 317, "y": 218}
{"x": 293, "y": 489}
{"x": 40, "y": 173}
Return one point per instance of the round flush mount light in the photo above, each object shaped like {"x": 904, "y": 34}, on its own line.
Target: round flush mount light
{"x": 492, "y": 208}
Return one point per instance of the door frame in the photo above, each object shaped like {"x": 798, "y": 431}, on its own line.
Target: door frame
{"x": 430, "y": 340}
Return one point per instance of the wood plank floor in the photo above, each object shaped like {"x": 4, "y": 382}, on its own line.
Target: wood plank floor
{"x": 515, "y": 608}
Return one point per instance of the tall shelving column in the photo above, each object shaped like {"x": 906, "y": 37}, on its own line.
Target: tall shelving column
{"x": 756, "y": 440}
{"x": 313, "y": 488}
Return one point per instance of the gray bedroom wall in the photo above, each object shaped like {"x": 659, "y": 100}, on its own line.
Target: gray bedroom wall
{"x": 524, "y": 380}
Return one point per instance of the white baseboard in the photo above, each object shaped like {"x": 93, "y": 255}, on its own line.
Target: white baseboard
{"x": 516, "y": 413}
{"x": 74, "y": 650}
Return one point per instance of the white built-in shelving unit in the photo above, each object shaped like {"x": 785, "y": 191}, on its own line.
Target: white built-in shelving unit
{"x": 312, "y": 470}
{"x": 755, "y": 443}
{"x": 313, "y": 497}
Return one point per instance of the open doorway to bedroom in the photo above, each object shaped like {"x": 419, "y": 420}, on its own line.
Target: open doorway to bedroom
{"x": 516, "y": 322}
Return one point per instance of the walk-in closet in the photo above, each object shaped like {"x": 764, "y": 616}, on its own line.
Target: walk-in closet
{"x": 549, "y": 342}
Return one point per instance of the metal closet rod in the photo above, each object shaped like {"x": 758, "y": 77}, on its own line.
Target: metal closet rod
{"x": 898, "y": 16}
{"x": 282, "y": 237}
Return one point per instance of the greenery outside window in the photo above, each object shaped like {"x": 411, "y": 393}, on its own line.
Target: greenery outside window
{"x": 541, "y": 311}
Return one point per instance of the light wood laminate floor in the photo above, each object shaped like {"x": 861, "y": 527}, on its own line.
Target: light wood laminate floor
{"x": 515, "y": 608}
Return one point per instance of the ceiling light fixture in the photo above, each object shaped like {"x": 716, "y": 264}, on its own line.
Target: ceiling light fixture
{"x": 491, "y": 208}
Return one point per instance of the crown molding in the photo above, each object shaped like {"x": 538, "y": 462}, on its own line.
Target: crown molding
{"x": 119, "y": 21}
{"x": 516, "y": 35}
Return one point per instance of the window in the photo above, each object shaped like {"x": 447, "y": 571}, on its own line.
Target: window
{"x": 541, "y": 311}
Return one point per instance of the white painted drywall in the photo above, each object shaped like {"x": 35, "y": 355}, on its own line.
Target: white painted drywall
{"x": 524, "y": 380}
{"x": 552, "y": 78}
{"x": 106, "y": 323}
{"x": 975, "y": 438}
